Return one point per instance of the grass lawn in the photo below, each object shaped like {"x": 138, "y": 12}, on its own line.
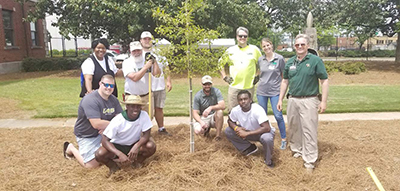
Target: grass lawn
{"x": 53, "y": 97}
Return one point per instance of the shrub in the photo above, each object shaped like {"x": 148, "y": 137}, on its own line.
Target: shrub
{"x": 286, "y": 54}
{"x": 332, "y": 66}
{"x": 352, "y": 68}
{"x": 50, "y": 64}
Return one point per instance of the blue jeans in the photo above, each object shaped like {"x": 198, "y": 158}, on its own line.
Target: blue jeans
{"x": 263, "y": 101}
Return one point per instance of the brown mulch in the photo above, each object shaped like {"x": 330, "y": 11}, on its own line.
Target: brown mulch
{"x": 31, "y": 159}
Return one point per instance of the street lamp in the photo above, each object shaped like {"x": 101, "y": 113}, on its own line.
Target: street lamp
{"x": 337, "y": 47}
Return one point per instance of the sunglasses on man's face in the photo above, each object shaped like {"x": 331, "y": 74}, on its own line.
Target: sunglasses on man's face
{"x": 107, "y": 85}
{"x": 300, "y": 45}
{"x": 242, "y": 36}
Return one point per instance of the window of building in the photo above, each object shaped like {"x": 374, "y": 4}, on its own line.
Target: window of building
{"x": 379, "y": 41}
{"x": 389, "y": 41}
{"x": 34, "y": 34}
{"x": 8, "y": 28}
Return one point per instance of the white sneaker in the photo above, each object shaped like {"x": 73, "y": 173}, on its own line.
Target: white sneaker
{"x": 297, "y": 155}
{"x": 309, "y": 165}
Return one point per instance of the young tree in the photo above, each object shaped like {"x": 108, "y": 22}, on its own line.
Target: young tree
{"x": 184, "y": 51}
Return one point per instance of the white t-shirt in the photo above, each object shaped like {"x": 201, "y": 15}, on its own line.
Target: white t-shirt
{"x": 135, "y": 88}
{"x": 124, "y": 132}
{"x": 250, "y": 120}
{"x": 88, "y": 66}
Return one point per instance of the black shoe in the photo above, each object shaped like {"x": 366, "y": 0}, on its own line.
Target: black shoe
{"x": 270, "y": 165}
{"x": 252, "y": 149}
{"x": 67, "y": 156}
{"x": 163, "y": 132}
{"x": 207, "y": 132}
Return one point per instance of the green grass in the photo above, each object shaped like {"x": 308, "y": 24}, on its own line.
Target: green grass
{"x": 58, "y": 97}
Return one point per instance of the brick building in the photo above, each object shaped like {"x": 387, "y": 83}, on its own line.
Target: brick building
{"x": 19, "y": 39}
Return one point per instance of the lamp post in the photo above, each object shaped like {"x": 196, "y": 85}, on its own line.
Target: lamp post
{"x": 337, "y": 47}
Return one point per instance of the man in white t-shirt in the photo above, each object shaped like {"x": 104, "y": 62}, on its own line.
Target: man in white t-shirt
{"x": 158, "y": 84}
{"x": 249, "y": 122}
{"x": 126, "y": 140}
{"x": 135, "y": 70}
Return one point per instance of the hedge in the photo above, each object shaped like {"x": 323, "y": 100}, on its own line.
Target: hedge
{"x": 51, "y": 64}
{"x": 345, "y": 67}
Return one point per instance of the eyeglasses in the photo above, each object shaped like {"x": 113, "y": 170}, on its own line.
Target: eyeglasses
{"x": 299, "y": 45}
{"x": 107, "y": 85}
{"x": 242, "y": 36}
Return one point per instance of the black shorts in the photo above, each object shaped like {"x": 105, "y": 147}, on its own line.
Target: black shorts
{"x": 124, "y": 148}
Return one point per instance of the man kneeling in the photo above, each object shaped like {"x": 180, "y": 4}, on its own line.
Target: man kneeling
{"x": 253, "y": 126}
{"x": 126, "y": 140}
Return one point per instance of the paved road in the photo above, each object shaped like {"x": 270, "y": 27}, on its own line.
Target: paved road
{"x": 69, "y": 122}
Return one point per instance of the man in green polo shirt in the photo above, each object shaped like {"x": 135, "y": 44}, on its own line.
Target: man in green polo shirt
{"x": 242, "y": 60}
{"x": 302, "y": 74}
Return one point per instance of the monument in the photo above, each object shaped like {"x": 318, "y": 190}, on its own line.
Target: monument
{"x": 311, "y": 32}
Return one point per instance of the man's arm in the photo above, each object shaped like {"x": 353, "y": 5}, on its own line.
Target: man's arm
{"x": 284, "y": 85}
{"x": 156, "y": 69}
{"x": 325, "y": 90}
{"x": 136, "y": 76}
{"x": 133, "y": 153}
{"x": 169, "y": 83}
{"x": 264, "y": 128}
{"x": 99, "y": 124}
{"x": 219, "y": 106}
{"x": 196, "y": 116}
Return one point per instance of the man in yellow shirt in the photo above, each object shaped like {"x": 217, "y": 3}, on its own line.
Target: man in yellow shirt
{"x": 242, "y": 59}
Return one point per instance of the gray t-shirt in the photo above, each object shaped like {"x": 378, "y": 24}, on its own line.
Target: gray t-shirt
{"x": 93, "y": 106}
{"x": 202, "y": 101}
{"x": 270, "y": 76}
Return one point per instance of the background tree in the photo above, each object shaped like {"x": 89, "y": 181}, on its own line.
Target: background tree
{"x": 124, "y": 20}
{"x": 184, "y": 51}
{"x": 391, "y": 25}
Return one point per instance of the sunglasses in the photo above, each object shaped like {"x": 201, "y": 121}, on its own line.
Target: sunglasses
{"x": 108, "y": 85}
{"x": 242, "y": 36}
{"x": 299, "y": 45}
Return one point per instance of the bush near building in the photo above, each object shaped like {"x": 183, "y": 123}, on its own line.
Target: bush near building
{"x": 51, "y": 64}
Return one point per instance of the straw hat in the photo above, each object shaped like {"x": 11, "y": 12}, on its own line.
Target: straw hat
{"x": 133, "y": 99}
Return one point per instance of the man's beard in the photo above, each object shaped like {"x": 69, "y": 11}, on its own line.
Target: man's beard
{"x": 138, "y": 59}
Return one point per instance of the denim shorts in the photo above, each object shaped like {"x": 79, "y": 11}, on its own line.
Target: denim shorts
{"x": 88, "y": 147}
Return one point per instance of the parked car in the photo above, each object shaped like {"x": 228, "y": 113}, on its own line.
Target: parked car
{"x": 120, "y": 58}
{"x": 112, "y": 54}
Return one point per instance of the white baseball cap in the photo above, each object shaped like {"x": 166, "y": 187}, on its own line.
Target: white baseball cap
{"x": 146, "y": 34}
{"x": 206, "y": 79}
{"x": 135, "y": 46}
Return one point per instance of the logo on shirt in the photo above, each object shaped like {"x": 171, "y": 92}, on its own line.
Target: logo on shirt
{"x": 308, "y": 65}
{"x": 108, "y": 111}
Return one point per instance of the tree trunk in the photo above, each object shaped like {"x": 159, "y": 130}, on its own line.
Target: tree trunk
{"x": 397, "y": 60}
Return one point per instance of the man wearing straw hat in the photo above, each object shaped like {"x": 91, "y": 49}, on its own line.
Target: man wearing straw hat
{"x": 126, "y": 140}
{"x": 135, "y": 70}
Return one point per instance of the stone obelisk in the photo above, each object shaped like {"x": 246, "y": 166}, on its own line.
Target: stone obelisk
{"x": 311, "y": 32}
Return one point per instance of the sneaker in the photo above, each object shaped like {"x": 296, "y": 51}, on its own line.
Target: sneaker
{"x": 67, "y": 156}
{"x": 283, "y": 145}
{"x": 309, "y": 167}
{"x": 252, "y": 149}
{"x": 297, "y": 155}
{"x": 271, "y": 165}
{"x": 163, "y": 131}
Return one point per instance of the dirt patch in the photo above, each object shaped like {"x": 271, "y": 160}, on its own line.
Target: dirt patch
{"x": 35, "y": 162}
{"x": 11, "y": 111}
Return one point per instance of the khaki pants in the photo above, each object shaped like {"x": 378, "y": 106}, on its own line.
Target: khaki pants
{"x": 302, "y": 115}
{"x": 232, "y": 96}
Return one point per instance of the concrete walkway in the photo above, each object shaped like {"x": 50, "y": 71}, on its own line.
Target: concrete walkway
{"x": 69, "y": 122}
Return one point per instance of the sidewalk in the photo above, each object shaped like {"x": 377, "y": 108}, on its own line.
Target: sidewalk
{"x": 69, "y": 122}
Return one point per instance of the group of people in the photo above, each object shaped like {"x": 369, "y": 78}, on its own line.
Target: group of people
{"x": 107, "y": 134}
{"x": 248, "y": 121}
